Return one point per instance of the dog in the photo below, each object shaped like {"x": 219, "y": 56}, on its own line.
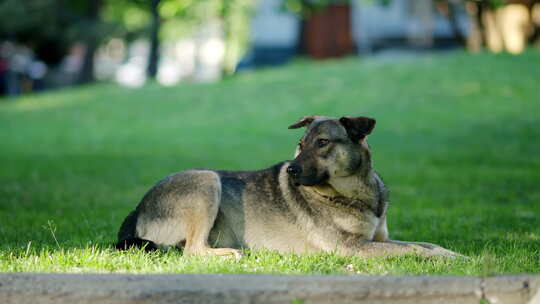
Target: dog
{"x": 328, "y": 199}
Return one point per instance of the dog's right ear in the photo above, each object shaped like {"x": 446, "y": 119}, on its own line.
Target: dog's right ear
{"x": 302, "y": 122}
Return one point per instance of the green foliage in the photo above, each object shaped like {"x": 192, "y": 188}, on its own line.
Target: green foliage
{"x": 183, "y": 18}
{"x": 26, "y": 16}
{"x": 455, "y": 142}
{"x": 236, "y": 18}
{"x": 20, "y": 19}
{"x": 45, "y": 19}
{"x": 133, "y": 16}
{"x": 51, "y": 26}
{"x": 306, "y": 7}
{"x": 64, "y": 22}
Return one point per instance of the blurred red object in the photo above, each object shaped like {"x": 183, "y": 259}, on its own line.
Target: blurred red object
{"x": 327, "y": 33}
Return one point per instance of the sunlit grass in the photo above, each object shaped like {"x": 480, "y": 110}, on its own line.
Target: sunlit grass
{"x": 456, "y": 141}
{"x": 94, "y": 259}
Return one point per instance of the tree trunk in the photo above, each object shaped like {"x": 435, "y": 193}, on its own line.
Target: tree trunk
{"x": 301, "y": 43}
{"x": 448, "y": 9}
{"x": 153, "y": 57}
{"x": 87, "y": 70}
{"x": 475, "y": 39}
{"x": 509, "y": 27}
{"x": 236, "y": 20}
{"x": 535, "y": 20}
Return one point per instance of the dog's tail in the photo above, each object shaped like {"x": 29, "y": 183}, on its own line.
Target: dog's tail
{"x": 147, "y": 245}
{"x": 128, "y": 238}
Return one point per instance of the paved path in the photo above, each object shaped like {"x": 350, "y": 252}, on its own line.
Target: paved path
{"x": 222, "y": 288}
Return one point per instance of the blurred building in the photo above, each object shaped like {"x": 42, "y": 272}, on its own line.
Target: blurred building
{"x": 277, "y": 34}
{"x": 274, "y": 35}
{"x": 404, "y": 24}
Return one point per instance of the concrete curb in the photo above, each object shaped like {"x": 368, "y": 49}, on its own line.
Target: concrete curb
{"x": 32, "y": 288}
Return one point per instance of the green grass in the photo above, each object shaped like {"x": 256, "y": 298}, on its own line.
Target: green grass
{"x": 457, "y": 141}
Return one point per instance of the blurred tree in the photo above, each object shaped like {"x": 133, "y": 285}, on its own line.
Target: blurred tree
{"x": 232, "y": 15}
{"x": 448, "y": 9}
{"x": 139, "y": 18}
{"x": 93, "y": 35}
{"x": 153, "y": 56}
{"x": 236, "y": 18}
{"x": 501, "y": 24}
{"x": 50, "y": 27}
{"x": 37, "y": 24}
{"x": 174, "y": 19}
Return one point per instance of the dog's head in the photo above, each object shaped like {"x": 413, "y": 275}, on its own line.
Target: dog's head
{"x": 330, "y": 148}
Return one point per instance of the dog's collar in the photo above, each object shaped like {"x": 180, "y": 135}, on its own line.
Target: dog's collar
{"x": 329, "y": 197}
{"x": 325, "y": 196}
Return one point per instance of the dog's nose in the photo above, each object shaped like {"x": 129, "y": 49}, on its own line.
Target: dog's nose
{"x": 294, "y": 170}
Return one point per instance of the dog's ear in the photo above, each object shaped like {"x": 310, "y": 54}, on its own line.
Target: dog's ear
{"x": 358, "y": 127}
{"x": 304, "y": 121}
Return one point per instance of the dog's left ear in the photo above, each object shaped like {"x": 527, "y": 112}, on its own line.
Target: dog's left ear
{"x": 304, "y": 121}
{"x": 358, "y": 127}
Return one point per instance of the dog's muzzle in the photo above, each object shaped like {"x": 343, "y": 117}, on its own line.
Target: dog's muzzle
{"x": 294, "y": 170}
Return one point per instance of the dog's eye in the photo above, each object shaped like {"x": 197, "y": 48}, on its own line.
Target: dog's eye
{"x": 322, "y": 142}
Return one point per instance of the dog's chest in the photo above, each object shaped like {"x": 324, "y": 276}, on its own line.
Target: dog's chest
{"x": 361, "y": 224}
{"x": 356, "y": 217}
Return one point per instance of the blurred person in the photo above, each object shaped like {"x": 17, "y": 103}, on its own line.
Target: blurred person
{"x": 36, "y": 71}
{"x": 3, "y": 75}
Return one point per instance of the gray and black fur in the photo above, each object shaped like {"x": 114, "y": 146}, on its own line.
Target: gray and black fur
{"x": 328, "y": 199}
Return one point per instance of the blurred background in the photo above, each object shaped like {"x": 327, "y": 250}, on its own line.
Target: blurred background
{"x": 47, "y": 44}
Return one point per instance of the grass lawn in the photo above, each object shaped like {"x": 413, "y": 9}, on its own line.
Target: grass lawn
{"x": 457, "y": 141}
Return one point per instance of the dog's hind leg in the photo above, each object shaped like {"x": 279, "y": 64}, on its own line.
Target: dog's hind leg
{"x": 199, "y": 219}
{"x": 183, "y": 211}
{"x": 180, "y": 211}
{"x": 197, "y": 227}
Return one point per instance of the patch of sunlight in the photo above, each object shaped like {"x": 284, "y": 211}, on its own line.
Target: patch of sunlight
{"x": 533, "y": 236}
{"x": 31, "y": 104}
{"x": 522, "y": 236}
